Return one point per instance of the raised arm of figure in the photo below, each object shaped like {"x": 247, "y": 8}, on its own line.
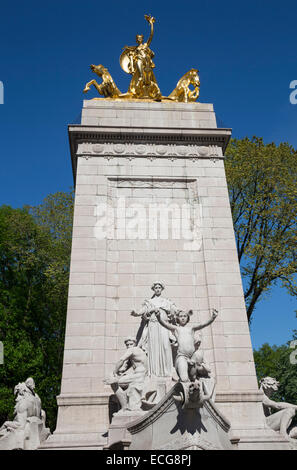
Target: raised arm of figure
{"x": 203, "y": 325}
{"x": 163, "y": 322}
{"x": 150, "y": 20}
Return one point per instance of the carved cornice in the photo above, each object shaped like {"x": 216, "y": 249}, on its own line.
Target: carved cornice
{"x": 83, "y": 399}
{"x": 239, "y": 397}
{"x": 110, "y": 142}
{"x": 213, "y": 136}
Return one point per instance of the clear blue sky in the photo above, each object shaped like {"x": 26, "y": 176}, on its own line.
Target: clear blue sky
{"x": 245, "y": 51}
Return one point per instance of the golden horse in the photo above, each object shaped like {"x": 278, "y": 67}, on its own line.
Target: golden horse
{"x": 108, "y": 87}
{"x": 182, "y": 92}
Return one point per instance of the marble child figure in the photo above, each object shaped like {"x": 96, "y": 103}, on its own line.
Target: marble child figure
{"x": 188, "y": 361}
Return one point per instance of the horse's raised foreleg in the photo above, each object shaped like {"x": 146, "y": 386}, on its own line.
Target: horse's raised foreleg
{"x": 92, "y": 82}
{"x": 193, "y": 95}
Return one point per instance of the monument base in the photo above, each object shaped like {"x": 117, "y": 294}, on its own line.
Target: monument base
{"x": 148, "y": 430}
{"x": 172, "y": 424}
{"x": 149, "y": 153}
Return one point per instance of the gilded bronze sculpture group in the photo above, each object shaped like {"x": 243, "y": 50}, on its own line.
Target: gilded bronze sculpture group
{"x": 138, "y": 62}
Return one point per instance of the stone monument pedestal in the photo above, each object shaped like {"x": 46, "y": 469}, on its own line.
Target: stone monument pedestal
{"x": 171, "y": 425}
{"x": 143, "y": 156}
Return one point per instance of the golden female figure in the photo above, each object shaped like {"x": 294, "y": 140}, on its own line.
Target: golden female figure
{"x": 138, "y": 61}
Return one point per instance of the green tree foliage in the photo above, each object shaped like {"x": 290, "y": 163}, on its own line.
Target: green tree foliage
{"x": 262, "y": 181}
{"x": 274, "y": 361}
{"x": 35, "y": 248}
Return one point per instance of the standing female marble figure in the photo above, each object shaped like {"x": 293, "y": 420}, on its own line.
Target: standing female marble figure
{"x": 155, "y": 339}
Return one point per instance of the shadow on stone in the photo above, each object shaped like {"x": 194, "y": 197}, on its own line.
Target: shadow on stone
{"x": 188, "y": 421}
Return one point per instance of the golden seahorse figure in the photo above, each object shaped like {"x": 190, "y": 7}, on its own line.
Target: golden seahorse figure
{"x": 182, "y": 92}
{"x": 108, "y": 87}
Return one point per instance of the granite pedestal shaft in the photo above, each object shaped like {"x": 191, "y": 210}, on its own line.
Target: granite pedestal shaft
{"x": 147, "y": 153}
